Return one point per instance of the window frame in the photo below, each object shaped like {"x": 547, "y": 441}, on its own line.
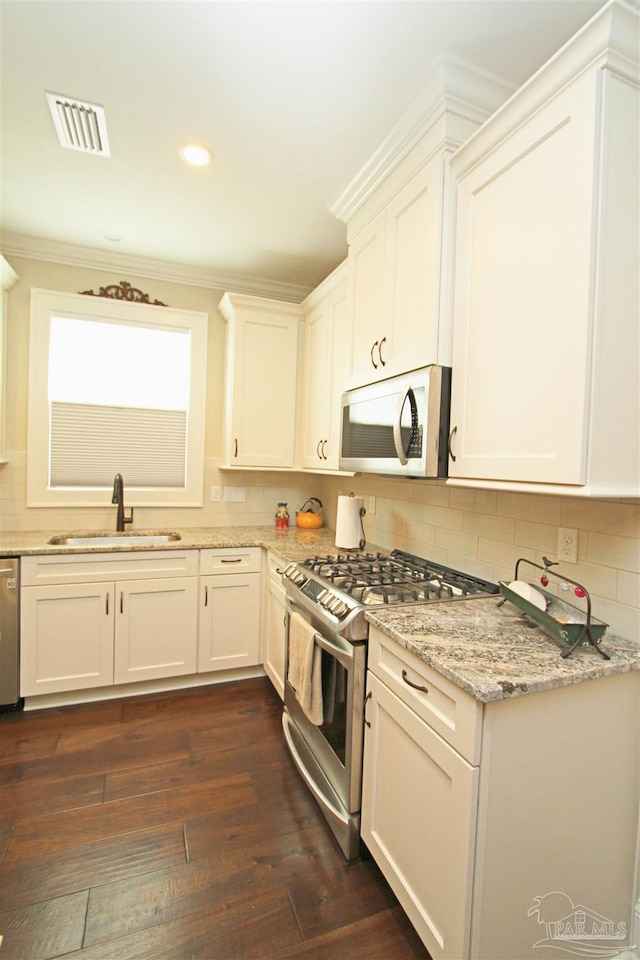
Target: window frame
{"x": 44, "y": 303}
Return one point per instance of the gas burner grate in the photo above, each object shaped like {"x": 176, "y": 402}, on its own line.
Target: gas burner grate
{"x": 398, "y": 577}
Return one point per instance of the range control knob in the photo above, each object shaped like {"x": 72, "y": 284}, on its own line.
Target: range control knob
{"x": 333, "y": 604}
{"x": 292, "y": 572}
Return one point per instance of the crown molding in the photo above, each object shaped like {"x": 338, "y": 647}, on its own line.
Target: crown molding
{"x": 54, "y": 251}
{"x": 454, "y": 87}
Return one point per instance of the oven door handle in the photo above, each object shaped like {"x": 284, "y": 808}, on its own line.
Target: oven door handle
{"x": 341, "y": 656}
{"x": 343, "y": 652}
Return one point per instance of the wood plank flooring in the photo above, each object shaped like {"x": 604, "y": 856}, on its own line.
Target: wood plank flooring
{"x": 175, "y": 826}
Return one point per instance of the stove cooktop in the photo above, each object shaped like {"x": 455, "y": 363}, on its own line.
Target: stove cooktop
{"x": 346, "y": 581}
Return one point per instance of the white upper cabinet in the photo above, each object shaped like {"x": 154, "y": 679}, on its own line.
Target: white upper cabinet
{"x": 260, "y": 388}
{"x": 399, "y": 229}
{"x": 545, "y": 391}
{"x": 325, "y": 312}
{"x": 8, "y": 277}
{"x": 394, "y": 273}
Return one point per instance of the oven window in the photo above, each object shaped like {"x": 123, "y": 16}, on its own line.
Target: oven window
{"x": 334, "y": 703}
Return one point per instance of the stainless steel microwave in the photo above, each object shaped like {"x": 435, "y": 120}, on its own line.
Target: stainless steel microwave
{"x": 398, "y": 426}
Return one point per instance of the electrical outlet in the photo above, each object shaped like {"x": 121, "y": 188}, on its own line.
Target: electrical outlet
{"x": 567, "y": 545}
{"x": 216, "y": 494}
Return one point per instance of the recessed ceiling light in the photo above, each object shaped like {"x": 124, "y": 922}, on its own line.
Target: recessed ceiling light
{"x": 195, "y": 155}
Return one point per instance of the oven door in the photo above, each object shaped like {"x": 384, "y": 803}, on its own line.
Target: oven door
{"x": 329, "y": 755}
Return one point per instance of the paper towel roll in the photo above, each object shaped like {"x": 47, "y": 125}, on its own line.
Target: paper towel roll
{"x": 348, "y": 525}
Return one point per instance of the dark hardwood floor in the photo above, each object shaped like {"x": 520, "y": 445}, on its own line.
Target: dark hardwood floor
{"x": 175, "y": 826}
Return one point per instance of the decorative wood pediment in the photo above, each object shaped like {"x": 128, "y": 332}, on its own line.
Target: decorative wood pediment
{"x": 124, "y": 291}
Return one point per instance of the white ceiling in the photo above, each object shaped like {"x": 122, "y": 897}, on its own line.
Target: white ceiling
{"x": 292, "y": 98}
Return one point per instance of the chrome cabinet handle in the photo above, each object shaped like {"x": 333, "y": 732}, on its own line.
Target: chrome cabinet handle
{"x": 383, "y": 362}
{"x": 373, "y": 346}
{"x": 367, "y": 698}
{"x": 416, "y": 686}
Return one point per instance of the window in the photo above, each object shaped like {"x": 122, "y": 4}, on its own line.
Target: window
{"x": 115, "y": 387}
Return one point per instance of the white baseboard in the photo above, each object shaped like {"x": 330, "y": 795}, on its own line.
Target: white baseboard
{"x": 138, "y": 689}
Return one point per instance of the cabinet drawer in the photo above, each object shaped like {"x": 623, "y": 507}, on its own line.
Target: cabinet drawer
{"x": 275, "y": 566}
{"x": 452, "y": 712}
{"x": 95, "y": 567}
{"x": 228, "y": 560}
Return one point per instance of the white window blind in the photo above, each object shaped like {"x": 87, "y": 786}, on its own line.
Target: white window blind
{"x": 90, "y": 444}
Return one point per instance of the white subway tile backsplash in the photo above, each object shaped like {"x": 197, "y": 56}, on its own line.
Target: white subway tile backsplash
{"x": 473, "y": 501}
{"x": 611, "y": 551}
{"x": 542, "y": 537}
{"x": 483, "y": 532}
{"x": 613, "y": 517}
{"x": 456, "y": 542}
{"x": 502, "y": 529}
{"x": 628, "y": 589}
{"x": 524, "y": 506}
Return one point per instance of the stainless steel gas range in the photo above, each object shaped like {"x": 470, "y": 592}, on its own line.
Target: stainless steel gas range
{"x": 327, "y": 632}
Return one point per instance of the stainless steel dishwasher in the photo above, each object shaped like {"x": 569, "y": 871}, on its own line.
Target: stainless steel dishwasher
{"x": 10, "y": 634}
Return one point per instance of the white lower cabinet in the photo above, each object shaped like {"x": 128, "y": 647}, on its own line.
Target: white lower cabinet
{"x": 229, "y": 628}
{"x": 488, "y": 819}
{"x": 155, "y": 629}
{"x": 419, "y": 802}
{"x": 273, "y": 624}
{"x": 66, "y": 637}
{"x": 92, "y": 620}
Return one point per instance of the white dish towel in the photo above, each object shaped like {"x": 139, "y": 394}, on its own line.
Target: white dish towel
{"x": 305, "y": 668}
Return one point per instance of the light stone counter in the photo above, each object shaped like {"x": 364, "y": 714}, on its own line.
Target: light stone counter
{"x": 495, "y": 653}
{"x": 291, "y": 543}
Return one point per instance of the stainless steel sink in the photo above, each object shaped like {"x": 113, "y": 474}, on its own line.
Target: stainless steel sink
{"x": 113, "y": 539}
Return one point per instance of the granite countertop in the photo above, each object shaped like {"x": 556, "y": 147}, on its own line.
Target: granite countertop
{"x": 291, "y": 543}
{"x": 492, "y": 652}
{"x": 495, "y": 652}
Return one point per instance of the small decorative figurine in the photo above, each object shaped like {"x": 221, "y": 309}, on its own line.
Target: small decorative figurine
{"x": 282, "y": 515}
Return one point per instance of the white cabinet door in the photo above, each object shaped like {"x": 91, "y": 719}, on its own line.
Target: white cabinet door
{"x": 324, "y": 372}
{"x": 229, "y": 629}
{"x": 317, "y": 373}
{"x": 370, "y": 345}
{"x": 67, "y": 637}
{"x": 275, "y": 634}
{"x": 397, "y": 302}
{"x": 156, "y": 629}
{"x": 412, "y": 271}
{"x": 418, "y": 820}
{"x": 260, "y": 391}
{"x": 8, "y": 277}
{"x": 546, "y": 335}
{"x": 521, "y": 338}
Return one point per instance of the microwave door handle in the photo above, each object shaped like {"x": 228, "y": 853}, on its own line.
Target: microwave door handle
{"x": 409, "y": 395}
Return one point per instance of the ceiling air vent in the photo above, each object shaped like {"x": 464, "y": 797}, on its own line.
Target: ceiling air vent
{"x": 79, "y": 125}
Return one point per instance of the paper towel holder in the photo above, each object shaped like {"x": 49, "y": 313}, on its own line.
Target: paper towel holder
{"x": 362, "y": 513}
